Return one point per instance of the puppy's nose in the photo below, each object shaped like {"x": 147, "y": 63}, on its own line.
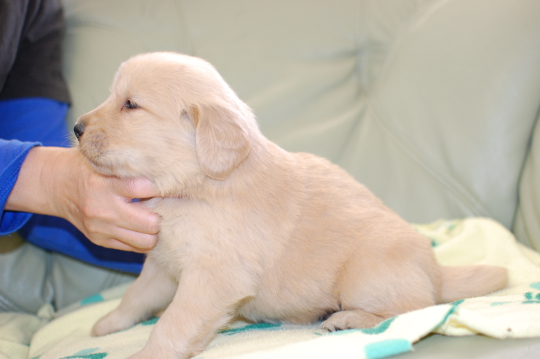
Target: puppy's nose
{"x": 79, "y": 130}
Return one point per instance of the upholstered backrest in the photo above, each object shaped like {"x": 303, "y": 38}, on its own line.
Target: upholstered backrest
{"x": 430, "y": 103}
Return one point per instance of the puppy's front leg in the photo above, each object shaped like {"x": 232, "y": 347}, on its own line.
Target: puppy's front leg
{"x": 203, "y": 303}
{"x": 151, "y": 292}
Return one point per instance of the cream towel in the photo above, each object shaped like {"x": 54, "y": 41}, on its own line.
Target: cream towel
{"x": 511, "y": 313}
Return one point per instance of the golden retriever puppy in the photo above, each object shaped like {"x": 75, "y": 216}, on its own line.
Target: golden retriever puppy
{"x": 250, "y": 230}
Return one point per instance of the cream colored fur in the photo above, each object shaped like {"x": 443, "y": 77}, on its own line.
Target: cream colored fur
{"x": 249, "y": 229}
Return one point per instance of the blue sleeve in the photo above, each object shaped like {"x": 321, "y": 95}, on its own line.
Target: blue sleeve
{"x": 34, "y": 119}
{"x": 12, "y": 156}
{"x": 43, "y": 120}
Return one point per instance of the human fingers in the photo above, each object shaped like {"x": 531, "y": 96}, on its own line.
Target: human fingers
{"x": 138, "y": 187}
{"x": 130, "y": 223}
{"x": 131, "y": 241}
{"x": 126, "y": 242}
{"x": 112, "y": 221}
{"x": 133, "y": 216}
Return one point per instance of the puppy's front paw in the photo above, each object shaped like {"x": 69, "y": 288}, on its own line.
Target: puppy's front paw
{"x": 351, "y": 319}
{"x": 112, "y": 322}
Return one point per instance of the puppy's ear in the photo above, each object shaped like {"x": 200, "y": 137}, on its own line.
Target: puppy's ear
{"x": 221, "y": 142}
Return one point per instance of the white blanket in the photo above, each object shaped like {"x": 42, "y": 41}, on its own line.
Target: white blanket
{"x": 511, "y": 313}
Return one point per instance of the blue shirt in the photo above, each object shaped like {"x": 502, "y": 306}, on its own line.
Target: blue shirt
{"x": 29, "y": 122}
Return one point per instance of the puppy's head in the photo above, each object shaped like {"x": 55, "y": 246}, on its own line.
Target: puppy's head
{"x": 169, "y": 117}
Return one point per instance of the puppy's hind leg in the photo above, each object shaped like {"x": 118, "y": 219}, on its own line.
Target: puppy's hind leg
{"x": 351, "y": 319}
{"x": 379, "y": 285}
{"x": 151, "y": 292}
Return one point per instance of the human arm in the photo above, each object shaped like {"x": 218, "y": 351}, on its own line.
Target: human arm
{"x": 56, "y": 181}
{"x": 34, "y": 99}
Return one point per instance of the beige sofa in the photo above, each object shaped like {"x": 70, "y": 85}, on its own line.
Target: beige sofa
{"x": 432, "y": 104}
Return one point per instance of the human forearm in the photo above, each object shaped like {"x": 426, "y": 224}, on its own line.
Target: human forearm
{"x": 57, "y": 181}
{"x": 33, "y": 190}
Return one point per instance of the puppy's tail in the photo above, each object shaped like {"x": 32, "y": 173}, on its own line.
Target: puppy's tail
{"x": 471, "y": 281}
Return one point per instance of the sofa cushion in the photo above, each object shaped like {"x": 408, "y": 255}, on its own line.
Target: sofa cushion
{"x": 430, "y": 103}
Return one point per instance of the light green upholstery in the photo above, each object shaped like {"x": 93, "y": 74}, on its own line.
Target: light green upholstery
{"x": 432, "y": 104}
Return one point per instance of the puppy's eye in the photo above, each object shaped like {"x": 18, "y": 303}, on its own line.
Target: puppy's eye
{"x": 130, "y": 104}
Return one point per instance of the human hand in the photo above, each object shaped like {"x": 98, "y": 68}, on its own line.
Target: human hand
{"x": 58, "y": 182}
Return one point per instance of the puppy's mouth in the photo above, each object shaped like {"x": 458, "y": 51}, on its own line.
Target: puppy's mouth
{"x": 107, "y": 161}
{"x": 93, "y": 147}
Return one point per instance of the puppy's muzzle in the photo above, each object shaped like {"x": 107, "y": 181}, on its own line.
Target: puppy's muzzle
{"x": 79, "y": 130}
